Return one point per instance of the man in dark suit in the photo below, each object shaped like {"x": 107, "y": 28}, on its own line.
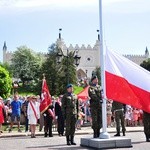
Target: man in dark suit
{"x": 59, "y": 117}
{"x": 48, "y": 121}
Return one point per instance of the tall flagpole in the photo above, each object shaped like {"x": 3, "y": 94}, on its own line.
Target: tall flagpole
{"x": 104, "y": 134}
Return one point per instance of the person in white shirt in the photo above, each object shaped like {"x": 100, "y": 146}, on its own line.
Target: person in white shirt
{"x": 33, "y": 113}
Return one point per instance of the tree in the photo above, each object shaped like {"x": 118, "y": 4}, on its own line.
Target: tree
{"x": 7, "y": 67}
{"x": 67, "y": 72}
{"x": 5, "y": 82}
{"x": 26, "y": 64}
{"x": 56, "y": 74}
{"x": 49, "y": 68}
{"x": 146, "y": 64}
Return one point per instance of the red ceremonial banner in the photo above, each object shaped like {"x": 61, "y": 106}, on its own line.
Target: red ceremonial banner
{"x": 46, "y": 97}
{"x": 84, "y": 94}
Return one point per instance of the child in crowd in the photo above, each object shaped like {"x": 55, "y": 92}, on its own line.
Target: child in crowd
{"x": 140, "y": 118}
{"x": 135, "y": 116}
{"x": 109, "y": 113}
{"x": 81, "y": 116}
{"x": 128, "y": 117}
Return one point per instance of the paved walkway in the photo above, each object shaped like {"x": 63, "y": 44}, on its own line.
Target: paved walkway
{"x": 84, "y": 130}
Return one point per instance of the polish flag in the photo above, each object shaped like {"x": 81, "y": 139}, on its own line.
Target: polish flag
{"x": 127, "y": 82}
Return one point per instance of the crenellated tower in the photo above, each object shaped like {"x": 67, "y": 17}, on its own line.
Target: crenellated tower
{"x": 4, "y": 52}
{"x": 146, "y": 52}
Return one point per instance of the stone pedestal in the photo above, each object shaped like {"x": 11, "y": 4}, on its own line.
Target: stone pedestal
{"x": 115, "y": 142}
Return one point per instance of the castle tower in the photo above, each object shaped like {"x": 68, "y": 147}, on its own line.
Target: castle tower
{"x": 4, "y": 52}
{"x": 60, "y": 41}
{"x": 146, "y": 52}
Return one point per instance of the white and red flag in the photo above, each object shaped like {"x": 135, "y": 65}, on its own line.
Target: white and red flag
{"x": 46, "y": 97}
{"x": 127, "y": 82}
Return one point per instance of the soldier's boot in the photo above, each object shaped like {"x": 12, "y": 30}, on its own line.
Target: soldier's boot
{"x": 68, "y": 140}
{"x": 72, "y": 140}
{"x": 50, "y": 134}
{"x": 95, "y": 134}
{"x": 45, "y": 134}
{"x": 147, "y": 138}
{"x": 123, "y": 133}
{"x": 118, "y": 134}
{"x": 98, "y": 133}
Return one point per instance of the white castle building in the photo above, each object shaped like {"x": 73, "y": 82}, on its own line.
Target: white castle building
{"x": 90, "y": 56}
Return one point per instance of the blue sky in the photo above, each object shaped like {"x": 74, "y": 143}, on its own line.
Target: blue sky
{"x": 36, "y": 23}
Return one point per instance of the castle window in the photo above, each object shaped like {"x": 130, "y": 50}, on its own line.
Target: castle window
{"x": 88, "y": 59}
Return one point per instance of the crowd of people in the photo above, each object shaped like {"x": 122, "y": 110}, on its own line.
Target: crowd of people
{"x": 133, "y": 116}
{"x": 70, "y": 112}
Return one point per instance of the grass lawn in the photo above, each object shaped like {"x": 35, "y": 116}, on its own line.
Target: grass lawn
{"x": 25, "y": 91}
{"x": 77, "y": 89}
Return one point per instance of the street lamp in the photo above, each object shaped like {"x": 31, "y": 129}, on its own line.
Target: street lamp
{"x": 77, "y": 58}
{"x": 60, "y": 55}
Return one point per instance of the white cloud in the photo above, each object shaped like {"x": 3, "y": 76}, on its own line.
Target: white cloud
{"x": 37, "y": 3}
{"x": 58, "y": 3}
{"x": 127, "y": 6}
{"x": 117, "y": 6}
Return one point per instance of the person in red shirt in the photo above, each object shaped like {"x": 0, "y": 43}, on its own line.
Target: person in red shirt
{"x": 1, "y": 113}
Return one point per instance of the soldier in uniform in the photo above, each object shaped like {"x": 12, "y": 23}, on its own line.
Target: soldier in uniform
{"x": 70, "y": 108}
{"x": 146, "y": 122}
{"x": 48, "y": 121}
{"x": 94, "y": 92}
{"x": 118, "y": 110}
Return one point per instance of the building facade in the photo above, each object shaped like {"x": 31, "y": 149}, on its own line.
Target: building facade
{"x": 90, "y": 56}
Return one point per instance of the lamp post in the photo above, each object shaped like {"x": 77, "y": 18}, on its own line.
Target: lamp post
{"x": 60, "y": 56}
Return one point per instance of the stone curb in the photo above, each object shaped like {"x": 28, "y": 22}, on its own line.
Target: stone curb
{"x": 81, "y": 132}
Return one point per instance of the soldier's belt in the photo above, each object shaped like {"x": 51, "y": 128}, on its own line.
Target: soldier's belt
{"x": 118, "y": 110}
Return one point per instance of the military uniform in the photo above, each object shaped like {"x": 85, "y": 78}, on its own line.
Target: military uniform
{"x": 48, "y": 122}
{"x": 118, "y": 110}
{"x": 146, "y": 122}
{"x": 70, "y": 108}
{"x": 94, "y": 92}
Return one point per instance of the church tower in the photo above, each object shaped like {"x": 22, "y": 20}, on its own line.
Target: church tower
{"x": 4, "y": 52}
